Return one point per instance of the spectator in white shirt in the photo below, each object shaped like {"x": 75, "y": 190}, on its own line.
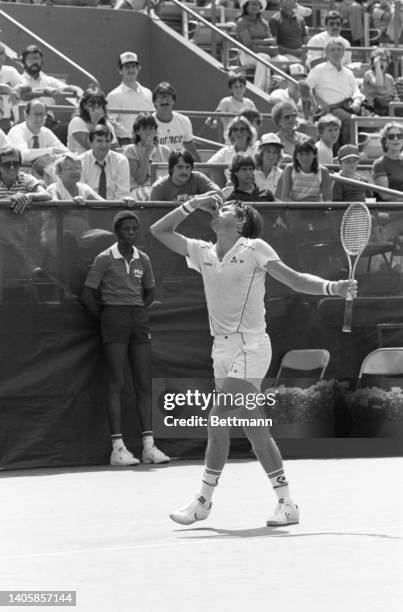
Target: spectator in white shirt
{"x": 11, "y": 87}
{"x": 333, "y": 25}
{"x": 129, "y": 95}
{"x": 174, "y": 129}
{"x": 106, "y": 171}
{"x": 329, "y": 132}
{"x": 36, "y": 142}
{"x": 335, "y": 87}
{"x": 48, "y": 88}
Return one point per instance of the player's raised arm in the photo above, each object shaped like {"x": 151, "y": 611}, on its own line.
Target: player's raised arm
{"x": 164, "y": 228}
{"x": 308, "y": 283}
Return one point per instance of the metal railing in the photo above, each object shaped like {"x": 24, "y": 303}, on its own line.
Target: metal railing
{"x": 49, "y": 46}
{"x": 229, "y": 39}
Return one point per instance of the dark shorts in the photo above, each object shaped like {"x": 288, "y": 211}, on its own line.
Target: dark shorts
{"x": 125, "y": 324}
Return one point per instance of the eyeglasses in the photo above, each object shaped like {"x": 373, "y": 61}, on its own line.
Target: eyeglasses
{"x": 10, "y": 164}
{"x": 239, "y": 129}
{"x": 291, "y": 116}
{"x": 334, "y": 23}
{"x": 398, "y": 136}
{"x": 95, "y": 103}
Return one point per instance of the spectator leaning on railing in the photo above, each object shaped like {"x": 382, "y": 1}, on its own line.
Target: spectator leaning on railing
{"x": 182, "y": 182}
{"x": 17, "y": 233}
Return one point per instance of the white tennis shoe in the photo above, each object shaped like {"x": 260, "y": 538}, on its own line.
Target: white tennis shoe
{"x": 121, "y": 456}
{"x": 285, "y": 513}
{"x": 197, "y": 510}
{"x": 154, "y": 455}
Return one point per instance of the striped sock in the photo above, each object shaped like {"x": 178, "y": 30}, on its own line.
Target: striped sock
{"x": 279, "y": 483}
{"x": 209, "y": 482}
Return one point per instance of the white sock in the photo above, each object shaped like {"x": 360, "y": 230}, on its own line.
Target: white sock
{"x": 280, "y": 484}
{"x": 117, "y": 441}
{"x": 148, "y": 440}
{"x": 209, "y": 483}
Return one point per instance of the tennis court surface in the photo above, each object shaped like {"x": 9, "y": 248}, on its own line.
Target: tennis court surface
{"x": 105, "y": 533}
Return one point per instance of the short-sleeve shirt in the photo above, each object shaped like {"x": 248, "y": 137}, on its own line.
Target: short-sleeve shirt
{"x": 257, "y": 28}
{"x": 350, "y": 193}
{"x": 164, "y": 190}
{"x": 392, "y": 169}
{"x": 235, "y": 286}
{"x": 121, "y": 283}
{"x": 231, "y": 105}
{"x": 173, "y": 134}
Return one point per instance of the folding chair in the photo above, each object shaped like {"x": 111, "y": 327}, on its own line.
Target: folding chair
{"x": 382, "y": 362}
{"x": 304, "y": 360}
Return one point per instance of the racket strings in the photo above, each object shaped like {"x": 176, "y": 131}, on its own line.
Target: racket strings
{"x": 356, "y": 229}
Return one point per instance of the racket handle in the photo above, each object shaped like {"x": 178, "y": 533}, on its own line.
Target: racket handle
{"x": 348, "y": 314}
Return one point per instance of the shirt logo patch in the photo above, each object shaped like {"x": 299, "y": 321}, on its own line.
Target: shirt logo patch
{"x": 137, "y": 273}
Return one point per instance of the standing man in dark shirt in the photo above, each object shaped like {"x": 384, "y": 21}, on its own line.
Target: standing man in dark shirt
{"x": 124, "y": 277}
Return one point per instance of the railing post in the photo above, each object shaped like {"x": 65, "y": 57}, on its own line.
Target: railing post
{"x": 185, "y": 25}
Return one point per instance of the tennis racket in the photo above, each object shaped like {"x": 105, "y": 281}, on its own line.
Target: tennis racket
{"x": 355, "y": 231}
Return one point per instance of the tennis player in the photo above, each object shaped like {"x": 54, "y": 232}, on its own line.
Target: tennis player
{"x": 124, "y": 277}
{"x": 233, "y": 272}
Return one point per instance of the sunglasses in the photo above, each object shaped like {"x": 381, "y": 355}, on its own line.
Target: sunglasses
{"x": 395, "y": 136}
{"x": 10, "y": 164}
{"x": 95, "y": 103}
{"x": 239, "y": 129}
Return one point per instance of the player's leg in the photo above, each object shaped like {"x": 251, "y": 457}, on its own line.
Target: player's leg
{"x": 115, "y": 332}
{"x": 116, "y": 355}
{"x": 140, "y": 366}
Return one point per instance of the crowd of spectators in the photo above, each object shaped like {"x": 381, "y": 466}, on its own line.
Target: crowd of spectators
{"x": 108, "y": 154}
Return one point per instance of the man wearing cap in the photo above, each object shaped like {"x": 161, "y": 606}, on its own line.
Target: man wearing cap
{"x": 129, "y": 95}
{"x": 335, "y": 87}
{"x": 289, "y": 31}
{"x": 333, "y": 25}
{"x": 291, "y": 91}
{"x": 174, "y": 129}
{"x": 46, "y": 87}
{"x": 348, "y": 157}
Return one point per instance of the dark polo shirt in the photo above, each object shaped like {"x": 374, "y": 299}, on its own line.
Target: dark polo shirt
{"x": 288, "y": 31}
{"x": 121, "y": 282}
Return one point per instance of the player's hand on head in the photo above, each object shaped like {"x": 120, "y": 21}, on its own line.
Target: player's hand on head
{"x": 346, "y": 287}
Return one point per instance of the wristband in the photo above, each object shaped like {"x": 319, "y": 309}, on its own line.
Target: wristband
{"x": 325, "y": 288}
{"x": 187, "y": 208}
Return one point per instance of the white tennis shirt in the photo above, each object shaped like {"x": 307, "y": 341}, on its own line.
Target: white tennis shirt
{"x": 235, "y": 286}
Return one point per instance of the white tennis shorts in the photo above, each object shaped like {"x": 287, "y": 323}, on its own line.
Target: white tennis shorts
{"x": 241, "y": 355}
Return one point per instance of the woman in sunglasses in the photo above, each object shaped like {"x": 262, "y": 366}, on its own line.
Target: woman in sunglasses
{"x": 388, "y": 169}
{"x": 91, "y": 112}
{"x": 240, "y": 138}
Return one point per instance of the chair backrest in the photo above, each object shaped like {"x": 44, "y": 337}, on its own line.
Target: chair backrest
{"x": 383, "y": 361}
{"x": 305, "y": 360}
{"x": 205, "y": 154}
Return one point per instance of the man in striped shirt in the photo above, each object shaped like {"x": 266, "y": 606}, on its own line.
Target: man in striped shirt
{"x": 17, "y": 230}
{"x": 233, "y": 272}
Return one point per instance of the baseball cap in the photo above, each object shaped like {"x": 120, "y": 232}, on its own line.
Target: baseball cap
{"x": 127, "y": 57}
{"x": 270, "y": 138}
{"x": 347, "y": 151}
{"x": 297, "y": 70}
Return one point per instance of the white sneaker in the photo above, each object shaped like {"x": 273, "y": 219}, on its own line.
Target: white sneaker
{"x": 154, "y": 455}
{"x": 286, "y": 513}
{"x": 196, "y": 510}
{"x": 121, "y": 456}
